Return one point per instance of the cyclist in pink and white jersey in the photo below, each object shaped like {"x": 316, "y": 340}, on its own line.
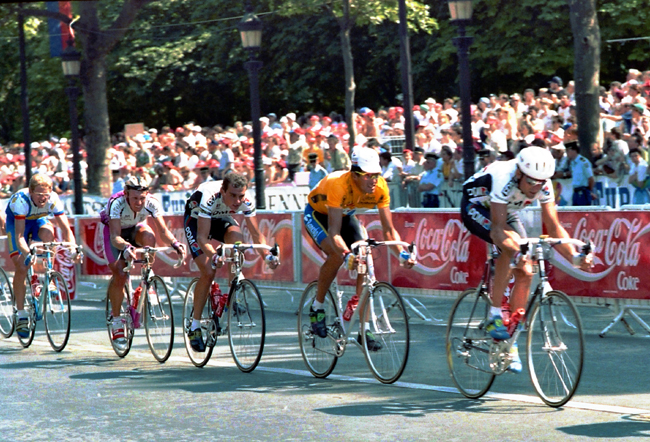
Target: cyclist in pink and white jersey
{"x": 125, "y": 228}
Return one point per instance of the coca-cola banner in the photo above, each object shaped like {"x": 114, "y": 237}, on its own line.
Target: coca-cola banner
{"x": 277, "y": 228}
{"x": 621, "y": 257}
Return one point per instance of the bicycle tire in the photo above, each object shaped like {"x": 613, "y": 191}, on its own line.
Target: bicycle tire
{"x": 246, "y": 326}
{"x": 120, "y": 349}
{"x": 388, "y": 323}
{"x": 468, "y": 344}
{"x": 30, "y": 308}
{"x": 319, "y": 354}
{"x": 159, "y": 319}
{"x": 555, "y": 348}
{"x": 7, "y": 324}
{"x": 208, "y": 327}
{"x": 57, "y": 313}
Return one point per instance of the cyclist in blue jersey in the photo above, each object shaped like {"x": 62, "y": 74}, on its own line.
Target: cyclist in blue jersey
{"x": 27, "y": 221}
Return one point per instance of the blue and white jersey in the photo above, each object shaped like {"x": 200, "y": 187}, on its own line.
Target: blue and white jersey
{"x": 207, "y": 202}
{"x": 21, "y": 206}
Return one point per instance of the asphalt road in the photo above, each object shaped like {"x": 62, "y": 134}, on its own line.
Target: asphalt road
{"x": 87, "y": 393}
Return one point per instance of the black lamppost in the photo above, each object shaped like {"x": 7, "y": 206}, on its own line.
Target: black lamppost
{"x": 461, "y": 15}
{"x": 71, "y": 62}
{"x": 250, "y": 28}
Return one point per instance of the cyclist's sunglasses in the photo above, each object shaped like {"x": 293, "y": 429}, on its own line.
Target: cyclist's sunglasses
{"x": 368, "y": 175}
{"x": 533, "y": 181}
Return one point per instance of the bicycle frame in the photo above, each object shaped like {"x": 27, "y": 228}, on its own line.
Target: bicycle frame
{"x": 365, "y": 267}
{"x": 46, "y": 254}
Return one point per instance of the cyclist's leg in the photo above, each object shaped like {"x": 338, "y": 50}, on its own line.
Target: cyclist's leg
{"x": 523, "y": 276}
{"x": 316, "y": 226}
{"x": 143, "y": 235}
{"x": 116, "y": 264}
{"x": 20, "y": 269}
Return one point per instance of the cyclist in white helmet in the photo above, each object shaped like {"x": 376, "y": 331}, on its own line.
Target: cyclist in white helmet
{"x": 489, "y": 209}
{"x": 125, "y": 227}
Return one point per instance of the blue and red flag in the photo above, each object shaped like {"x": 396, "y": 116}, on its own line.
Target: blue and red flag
{"x": 60, "y": 33}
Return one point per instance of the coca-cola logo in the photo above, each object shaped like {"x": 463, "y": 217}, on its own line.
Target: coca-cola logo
{"x": 619, "y": 245}
{"x": 449, "y": 244}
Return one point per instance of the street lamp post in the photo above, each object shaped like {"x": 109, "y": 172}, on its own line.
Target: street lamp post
{"x": 71, "y": 62}
{"x": 250, "y": 28}
{"x": 461, "y": 15}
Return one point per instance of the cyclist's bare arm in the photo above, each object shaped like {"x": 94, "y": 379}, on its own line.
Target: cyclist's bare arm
{"x": 163, "y": 231}
{"x": 501, "y": 233}
{"x": 334, "y": 221}
{"x": 203, "y": 226}
{"x": 115, "y": 226}
{"x": 19, "y": 231}
{"x": 61, "y": 221}
{"x": 258, "y": 238}
{"x": 555, "y": 230}
{"x": 390, "y": 234}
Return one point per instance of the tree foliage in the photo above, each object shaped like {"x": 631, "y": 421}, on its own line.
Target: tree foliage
{"x": 182, "y": 60}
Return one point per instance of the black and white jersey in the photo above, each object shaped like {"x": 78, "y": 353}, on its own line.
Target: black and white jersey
{"x": 207, "y": 202}
{"x": 497, "y": 183}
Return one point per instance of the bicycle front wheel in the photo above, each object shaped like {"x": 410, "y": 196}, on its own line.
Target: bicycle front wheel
{"x": 121, "y": 349}
{"x": 32, "y": 310}
{"x": 320, "y": 354}
{"x": 6, "y": 305}
{"x": 385, "y": 314}
{"x": 57, "y": 311}
{"x": 555, "y": 348}
{"x": 468, "y": 344}
{"x": 159, "y": 319}
{"x": 246, "y": 326}
{"x": 208, "y": 327}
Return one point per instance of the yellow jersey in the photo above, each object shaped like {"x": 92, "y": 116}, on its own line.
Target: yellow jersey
{"x": 337, "y": 190}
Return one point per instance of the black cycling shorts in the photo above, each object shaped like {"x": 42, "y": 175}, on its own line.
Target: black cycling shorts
{"x": 477, "y": 220}
{"x": 218, "y": 229}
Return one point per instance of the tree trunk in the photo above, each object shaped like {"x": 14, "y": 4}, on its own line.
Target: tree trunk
{"x": 97, "y": 126}
{"x": 345, "y": 24}
{"x": 586, "y": 44}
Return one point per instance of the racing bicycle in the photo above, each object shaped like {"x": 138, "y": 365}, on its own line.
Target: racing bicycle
{"x": 153, "y": 302}
{"x": 380, "y": 306}
{"x": 554, "y": 341}
{"x": 244, "y": 310}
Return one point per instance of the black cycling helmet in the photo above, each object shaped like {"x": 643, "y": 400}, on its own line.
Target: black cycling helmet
{"x": 136, "y": 183}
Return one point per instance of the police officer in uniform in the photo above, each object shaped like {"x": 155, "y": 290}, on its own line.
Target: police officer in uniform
{"x": 582, "y": 176}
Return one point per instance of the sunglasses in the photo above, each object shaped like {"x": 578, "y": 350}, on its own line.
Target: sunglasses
{"x": 533, "y": 182}
{"x": 368, "y": 176}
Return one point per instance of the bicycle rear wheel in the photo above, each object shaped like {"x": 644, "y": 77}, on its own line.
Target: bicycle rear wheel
{"x": 208, "y": 327}
{"x": 121, "y": 349}
{"x": 57, "y": 311}
{"x": 159, "y": 319}
{"x": 31, "y": 309}
{"x": 6, "y": 305}
{"x": 468, "y": 344}
{"x": 319, "y": 354}
{"x": 389, "y": 326}
{"x": 246, "y": 326}
{"x": 555, "y": 348}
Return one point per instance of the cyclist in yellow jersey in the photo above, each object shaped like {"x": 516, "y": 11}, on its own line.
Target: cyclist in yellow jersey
{"x": 331, "y": 222}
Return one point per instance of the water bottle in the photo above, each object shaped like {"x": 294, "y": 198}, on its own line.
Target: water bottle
{"x": 133, "y": 308}
{"x": 36, "y": 287}
{"x": 514, "y": 320}
{"x": 350, "y": 307}
{"x": 218, "y": 299}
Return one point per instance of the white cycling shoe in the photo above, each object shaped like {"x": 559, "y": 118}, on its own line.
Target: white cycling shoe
{"x": 515, "y": 365}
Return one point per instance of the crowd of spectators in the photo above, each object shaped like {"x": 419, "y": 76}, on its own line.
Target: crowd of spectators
{"x": 181, "y": 158}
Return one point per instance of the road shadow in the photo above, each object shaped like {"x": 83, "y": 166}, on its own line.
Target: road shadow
{"x": 631, "y": 426}
{"x": 59, "y": 363}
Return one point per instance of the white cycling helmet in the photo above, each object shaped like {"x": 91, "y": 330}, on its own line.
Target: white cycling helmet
{"x": 536, "y": 162}
{"x": 366, "y": 159}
